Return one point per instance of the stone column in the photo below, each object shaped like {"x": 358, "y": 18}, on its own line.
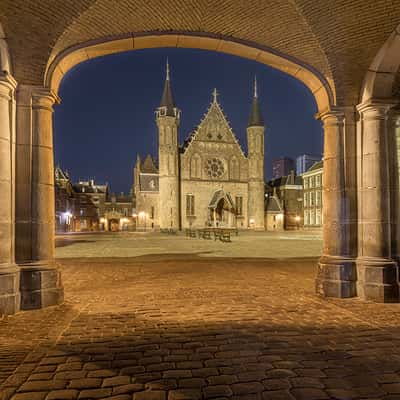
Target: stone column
{"x": 377, "y": 271}
{"x": 336, "y": 275}
{"x": 9, "y": 272}
{"x": 40, "y": 278}
{"x": 394, "y": 154}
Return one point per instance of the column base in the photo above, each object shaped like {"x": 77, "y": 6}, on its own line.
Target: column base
{"x": 378, "y": 280}
{"x": 10, "y": 298}
{"x": 336, "y": 277}
{"x": 40, "y": 285}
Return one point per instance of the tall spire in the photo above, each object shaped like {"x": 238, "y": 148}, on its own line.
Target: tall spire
{"x": 167, "y": 77}
{"x": 167, "y": 99}
{"x": 255, "y": 118}
{"x": 215, "y": 94}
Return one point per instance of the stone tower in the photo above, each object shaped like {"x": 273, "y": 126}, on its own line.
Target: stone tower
{"x": 255, "y": 142}
{"x": 168, "y": 117}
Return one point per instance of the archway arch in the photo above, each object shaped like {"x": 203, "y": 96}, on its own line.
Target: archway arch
{"x": 381, "y": 75}
{"x": 36, "y": 242}
{"x": 60, "y": 64}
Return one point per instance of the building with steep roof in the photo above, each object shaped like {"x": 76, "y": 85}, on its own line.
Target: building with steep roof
{"x": 289, "y": 190}
{"x": 206, "y": 181}
{"x": 274, "y": 213}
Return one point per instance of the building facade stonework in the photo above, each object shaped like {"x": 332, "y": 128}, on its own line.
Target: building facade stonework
{"x": 209, "y": 180}
{"x": 312, "y": 201}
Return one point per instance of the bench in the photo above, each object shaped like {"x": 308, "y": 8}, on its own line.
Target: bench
{"x": 190, "y": 233}
{"x": 204, "y": 234}
{"x": 225, "y": 236}
{"x": 169, "y": 231}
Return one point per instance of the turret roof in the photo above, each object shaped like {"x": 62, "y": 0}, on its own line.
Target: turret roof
{"x": 167, "y": 99}
{"x": 255, "y": 118}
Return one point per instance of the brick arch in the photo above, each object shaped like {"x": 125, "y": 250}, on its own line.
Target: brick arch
{"x": 60, "y": 64}
{"x": 382, "y": 77}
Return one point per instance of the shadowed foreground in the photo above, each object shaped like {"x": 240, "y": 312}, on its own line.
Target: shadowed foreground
{"x": 185, "y": 327}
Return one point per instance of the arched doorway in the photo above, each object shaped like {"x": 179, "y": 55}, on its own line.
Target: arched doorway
{"x": 222, "y": 210}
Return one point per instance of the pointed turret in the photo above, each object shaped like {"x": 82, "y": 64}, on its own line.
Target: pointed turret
{"x": 167, "y": 100}
{"x": 168, "y": 118}
{"x": 255, "y": 118}
{"x": 255, "y": 144}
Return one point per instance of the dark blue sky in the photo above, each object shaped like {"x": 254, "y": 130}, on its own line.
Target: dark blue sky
{"x": 106, "y": 115}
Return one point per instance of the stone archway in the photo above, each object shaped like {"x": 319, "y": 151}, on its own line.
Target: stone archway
{"x": 35, "y": 233}
{"x": 34, "y": 225}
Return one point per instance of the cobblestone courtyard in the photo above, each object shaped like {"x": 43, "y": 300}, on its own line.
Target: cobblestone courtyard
{"x": 200, "y": 325}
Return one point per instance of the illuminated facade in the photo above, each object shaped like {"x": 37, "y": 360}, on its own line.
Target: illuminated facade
{"x": 289, "y": 191}
{"x": 312, "y": 196}
{"x": 86, "y": 206}
{"x": 206, "y": 181}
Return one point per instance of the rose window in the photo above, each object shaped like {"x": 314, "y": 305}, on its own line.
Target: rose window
{"x": 215, "y": 168}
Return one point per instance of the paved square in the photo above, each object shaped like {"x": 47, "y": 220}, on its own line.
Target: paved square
{"x": 186, "y": 325}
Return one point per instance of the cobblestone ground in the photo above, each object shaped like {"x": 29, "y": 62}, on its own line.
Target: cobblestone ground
{"x": 135, "y": 244}
{"x": 180, "y": 327}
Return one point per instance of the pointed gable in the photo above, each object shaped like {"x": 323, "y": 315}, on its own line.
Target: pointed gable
{"x": 214, "y": 127}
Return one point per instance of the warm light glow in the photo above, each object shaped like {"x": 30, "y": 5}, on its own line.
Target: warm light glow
{"x": 102, "y": 220}
{"x": 279, "y": 216}
{"x": 297, "y": 218}
{"x": 251, "y": 221}
{"x": 124, "y": 220}
{"x": 134, "y": 215}
{"x": 142, "y": 214}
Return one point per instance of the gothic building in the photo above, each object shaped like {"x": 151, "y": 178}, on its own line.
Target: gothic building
{"x": 207, "y": 181}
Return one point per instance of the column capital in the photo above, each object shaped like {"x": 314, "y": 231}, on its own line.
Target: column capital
{"x": 37, "y": 96}
{"x": 7, "y": 85}
{"x": 44, "y": 98}
{"x": 376, "y": 108}
{"x": 334, "y": 113}
{"x": 332, "y": 117}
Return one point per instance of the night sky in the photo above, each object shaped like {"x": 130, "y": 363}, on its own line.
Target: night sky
{"x": 106, "y": 116}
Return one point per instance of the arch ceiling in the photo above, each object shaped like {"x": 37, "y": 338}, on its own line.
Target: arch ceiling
{"x": 338, "y": 38}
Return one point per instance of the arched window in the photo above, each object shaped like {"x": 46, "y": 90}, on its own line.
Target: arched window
{"x": 234, "y": 168}
{"x": 195, "y": 166}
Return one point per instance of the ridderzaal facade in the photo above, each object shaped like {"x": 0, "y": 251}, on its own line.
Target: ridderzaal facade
{"x": 208, "y": 181}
